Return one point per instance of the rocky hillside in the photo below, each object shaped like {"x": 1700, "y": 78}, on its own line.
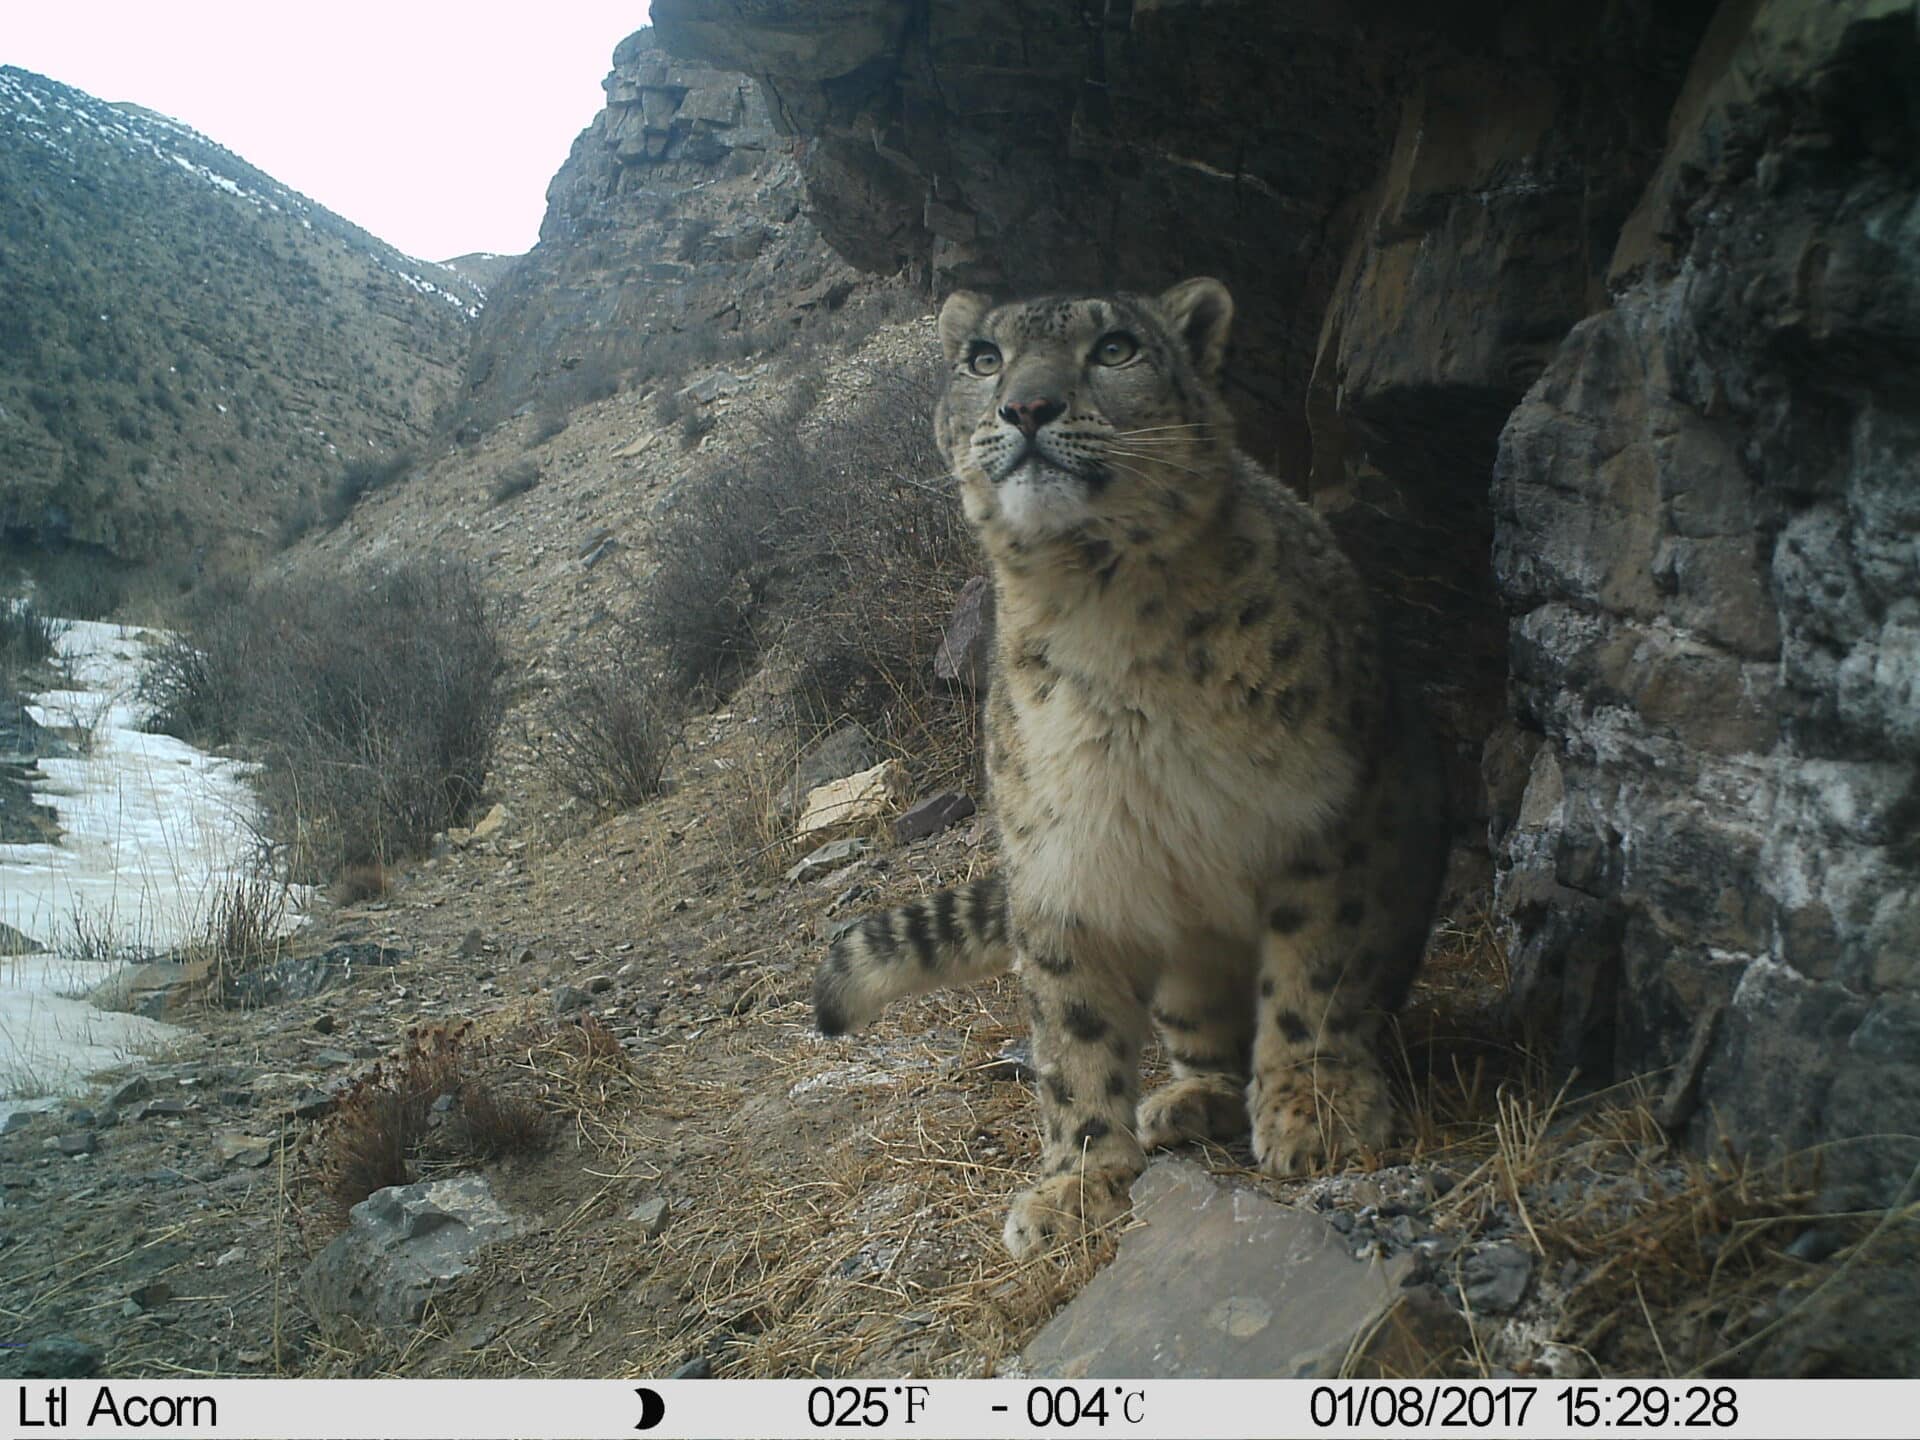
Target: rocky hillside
{"x": 190, "y": 351}
{"x": 1595, "y": 332}
{"x": 675, "y": 234}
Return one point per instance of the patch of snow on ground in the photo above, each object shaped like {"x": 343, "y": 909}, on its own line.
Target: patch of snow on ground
{"x": 151, "y": 829}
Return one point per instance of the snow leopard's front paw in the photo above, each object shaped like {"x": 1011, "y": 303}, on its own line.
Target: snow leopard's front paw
{"x": 1066, "y": 1207}
{"x": 1312, "y": 1117}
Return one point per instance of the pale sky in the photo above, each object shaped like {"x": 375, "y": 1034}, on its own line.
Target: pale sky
{"x": 436, "y": 125}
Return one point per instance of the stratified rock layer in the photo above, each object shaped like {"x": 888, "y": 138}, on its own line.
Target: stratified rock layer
{"x": 1708, "y": 808}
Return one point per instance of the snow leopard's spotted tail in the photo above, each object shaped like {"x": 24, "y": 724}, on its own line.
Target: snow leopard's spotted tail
{"x": 953, "y": 938}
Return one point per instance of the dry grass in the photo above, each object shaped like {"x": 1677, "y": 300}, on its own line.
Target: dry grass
{"x": 243, "y": 929}
{"x": 382, "y": 1130}
{"x": 355, "y": 884}
{"x": 879, "y": 1254}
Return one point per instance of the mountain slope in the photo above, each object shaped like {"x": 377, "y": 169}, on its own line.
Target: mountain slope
{"x": 189, "y": 350}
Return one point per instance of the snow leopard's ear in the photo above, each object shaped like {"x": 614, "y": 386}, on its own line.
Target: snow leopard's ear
{"x": 1200, "y": 312}
{"x": 960, "y": 321}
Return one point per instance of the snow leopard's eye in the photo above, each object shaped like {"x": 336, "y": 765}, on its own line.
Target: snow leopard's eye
{"x": 984, "y": 358}
{"x": 1116, "y": 347}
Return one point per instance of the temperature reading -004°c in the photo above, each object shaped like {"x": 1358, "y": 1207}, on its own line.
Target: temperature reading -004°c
{"x": 1061, "y": 1407}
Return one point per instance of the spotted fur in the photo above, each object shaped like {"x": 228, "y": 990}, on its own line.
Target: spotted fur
{"x": 1215, "y": 820}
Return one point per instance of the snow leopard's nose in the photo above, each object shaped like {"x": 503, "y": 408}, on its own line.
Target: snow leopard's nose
{"x": 1030, "y": 415}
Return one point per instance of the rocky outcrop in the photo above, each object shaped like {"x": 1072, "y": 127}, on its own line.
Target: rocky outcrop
{"x": 675, "y": 225}
{"x": 1665, "y": 251}
{"x": 1411, "y": 208}
{"x": 1708, "y": 805}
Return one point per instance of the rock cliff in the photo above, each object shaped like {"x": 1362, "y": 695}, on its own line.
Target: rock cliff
{"x": 675, "y": 226}
{"x": 1706, "y": 517}
{"x": 1595, "y": 334}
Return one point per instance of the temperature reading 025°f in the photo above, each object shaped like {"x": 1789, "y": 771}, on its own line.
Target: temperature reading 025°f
{"x": 864, "y": 1406}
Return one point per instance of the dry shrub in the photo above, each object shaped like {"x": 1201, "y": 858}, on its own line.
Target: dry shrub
{"x": 495, "y": 1123}
{"x": 28, "y": 636}
{"x": 373, "y": 704}
{"x": 354, "y": 884}
{"x": 516, "y": 479}
{"x": 373, "y": 1136}
{"x": 609, "y": 733}
{"x": 840, "y": 536}
{"x": 382, "y": 1132}
{"x": 362, "y": 478}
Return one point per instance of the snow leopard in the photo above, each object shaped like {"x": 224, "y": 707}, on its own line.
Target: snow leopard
{"x": 1217, "y": 819}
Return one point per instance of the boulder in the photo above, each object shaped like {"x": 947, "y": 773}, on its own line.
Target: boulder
{"x": 1704, "y": 513}
{"x": 402, "y": 1246}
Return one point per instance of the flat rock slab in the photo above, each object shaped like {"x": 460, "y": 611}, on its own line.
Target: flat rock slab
{"x": 402, "y": 1245}
{"x": 853, "y": 799}
{"x": 1219, "y": 1283}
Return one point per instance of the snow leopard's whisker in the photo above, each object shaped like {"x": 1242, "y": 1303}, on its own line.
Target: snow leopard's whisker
{"x": 1160, "y": 460}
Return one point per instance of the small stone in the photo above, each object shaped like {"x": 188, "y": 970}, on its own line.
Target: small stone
{"x": 569, "y": 998}
{"x": 1816, "y": 1243}
{"x": 931, "y": 815}
{"x": 81, "y": 1118}
{"x": 324, "y": 1024}
{"x": 712, "y": 386}
{"x": 312, "y": 1104}
{"x": 651, "y": 1216}
{"x": 968, "y": 640}
{"x": 147, "y": 1297}
{"x": 698, "y": 1368}
{"x": 1495, "y": 1279}
{"x": 853, "y": 800}
{"x": 129, "y": 1092}
{"x": 249, "y": 1151}
{"x": 61, "y": 1357}
{"x": 599, "y": 984}
{"x": 230, "y": 1257}
{"x": 826, "y": 859}
{"x": 80, "y": 1142}
{"x": 15, "y": 1120}
{"x": 329, "y": 1056}
{"x": 1014, "y": 1062}
{"x": 473, "y": 942}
